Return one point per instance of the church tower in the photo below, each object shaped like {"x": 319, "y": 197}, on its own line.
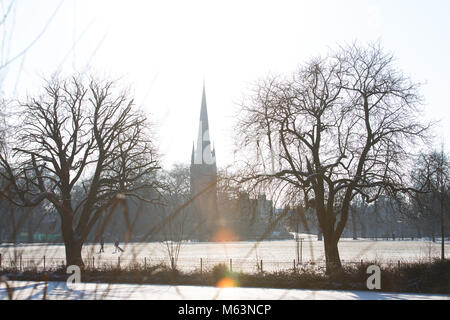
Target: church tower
{"x": 203, "y": 174}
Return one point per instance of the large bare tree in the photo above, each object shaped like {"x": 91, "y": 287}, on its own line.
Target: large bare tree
{"x": 79, "y": 134}
{"x": 340, "y": 126}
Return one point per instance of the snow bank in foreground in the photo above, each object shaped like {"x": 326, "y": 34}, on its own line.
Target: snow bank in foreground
{"x": 59, "y": 290}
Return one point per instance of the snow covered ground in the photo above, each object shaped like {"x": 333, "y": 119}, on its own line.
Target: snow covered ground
{"x": 276, "y": 255}
{"x": 90, "y": 291}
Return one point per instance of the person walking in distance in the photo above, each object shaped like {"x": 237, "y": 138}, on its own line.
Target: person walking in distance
{"x": 102, "y": 245}
{"x": 116, "y": 244}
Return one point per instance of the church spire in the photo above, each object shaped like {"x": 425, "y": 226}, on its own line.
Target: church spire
{"x": 203, "y": 154}
{"x": 204, "y": 111}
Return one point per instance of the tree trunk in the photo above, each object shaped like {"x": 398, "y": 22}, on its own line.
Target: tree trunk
{"x": 73, "y": 254}
{"x": 442, "y": 228}
{"x": 333, "y": 261}
{"x": 419, "y": 233}
{"x": 73, "y": 245}
{"x": 354, "y": 231}
{"x": 30, "y": 230}
{"x": 363, "y": 231}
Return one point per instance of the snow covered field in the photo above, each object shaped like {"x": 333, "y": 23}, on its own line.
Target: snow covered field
{"x": 276, "y": 255}
{"x": 90, "y": 291}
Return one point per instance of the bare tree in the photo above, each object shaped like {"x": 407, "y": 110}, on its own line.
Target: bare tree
{"x": 78, "y": 133}
{"x": 179, "y": 227}
{"x": 432, "y": 174}
{"x": 342, "y": 125}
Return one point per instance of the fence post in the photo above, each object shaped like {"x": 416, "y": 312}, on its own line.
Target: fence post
{"x": 118, "y": 262}
{"x": 93, "y": 262}
{"x": 172, "y": 262}
{"x": 145, "y": 262}
{"x": 301, "y": 250}
{"x": 0, "y": 260}
{"x": 20, "y": 263}
{"x": 44, "y": 263}
{"x": 231, "y": 265}
{"x": 201, "y": 266}
{"x": 294, "y": 265}
{"x": 398, "y": 263}
{"x": 261, "y": 266}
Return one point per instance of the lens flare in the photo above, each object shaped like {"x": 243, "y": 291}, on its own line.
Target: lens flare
{"x": 226, "y": 283}
{"x": 225, "y": 235}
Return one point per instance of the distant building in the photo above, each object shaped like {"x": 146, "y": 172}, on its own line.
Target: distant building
{"x": 255, "y": 209}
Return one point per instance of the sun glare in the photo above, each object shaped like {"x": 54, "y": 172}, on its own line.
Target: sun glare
{"x": 225, "y": 235}
{"x": 226, "y": 283}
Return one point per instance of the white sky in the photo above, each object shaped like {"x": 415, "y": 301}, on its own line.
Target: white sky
{"x": 165, "y": 49}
